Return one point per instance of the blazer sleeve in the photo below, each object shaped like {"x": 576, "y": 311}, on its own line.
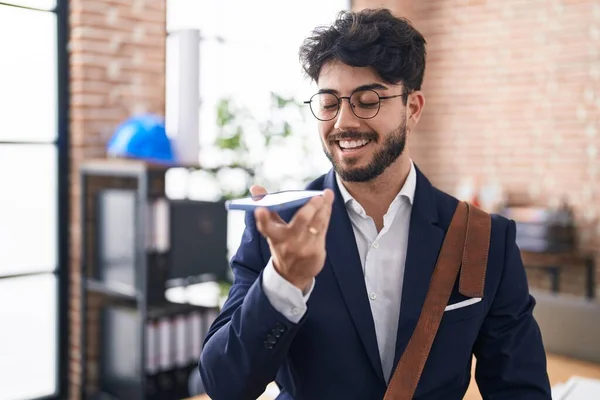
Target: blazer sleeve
{"x": 511, "y": 360}
{"x": 249, "y": 340}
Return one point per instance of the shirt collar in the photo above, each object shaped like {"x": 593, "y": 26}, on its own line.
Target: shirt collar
{"x": 407, "y": 190}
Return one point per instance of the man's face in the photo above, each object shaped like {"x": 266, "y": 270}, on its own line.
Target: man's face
{"x": 361, "y": 149}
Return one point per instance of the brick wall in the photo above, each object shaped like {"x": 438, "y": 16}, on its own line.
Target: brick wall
{"x": 512, "y": 94}
{"x": 117, "y": 52}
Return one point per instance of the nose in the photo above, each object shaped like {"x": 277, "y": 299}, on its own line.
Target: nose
{"x": 346, "y": 119}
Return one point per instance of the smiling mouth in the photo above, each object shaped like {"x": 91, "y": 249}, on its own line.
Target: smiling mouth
{"x": 351, "y": 145}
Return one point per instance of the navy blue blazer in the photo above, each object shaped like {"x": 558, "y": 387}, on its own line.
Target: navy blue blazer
{"x": 332, "y": 352}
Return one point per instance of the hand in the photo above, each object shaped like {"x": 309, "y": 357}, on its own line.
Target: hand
{"x": 297, "y": 248}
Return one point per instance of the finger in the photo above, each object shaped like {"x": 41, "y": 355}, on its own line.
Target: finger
{"x": 269, "y": 224}
{"x": 321, "y": 220}
{"x": 306, "y": 213}
{"x": 328, "y": 196}
{"x": 257, "y": 191}
{"x": 277, "y": 218}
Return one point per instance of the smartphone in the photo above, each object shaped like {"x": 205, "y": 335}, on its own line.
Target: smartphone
{"x": 277, "y": 201}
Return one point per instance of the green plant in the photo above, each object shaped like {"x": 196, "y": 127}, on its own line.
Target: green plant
{"x": 245, "y": 140}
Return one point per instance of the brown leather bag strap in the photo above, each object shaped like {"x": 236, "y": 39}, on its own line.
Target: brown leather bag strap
{"x": 466, "y": 243}
{"x": 474, "y": 262}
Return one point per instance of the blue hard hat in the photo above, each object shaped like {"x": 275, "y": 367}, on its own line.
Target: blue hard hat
{"x": 142, "y": 137}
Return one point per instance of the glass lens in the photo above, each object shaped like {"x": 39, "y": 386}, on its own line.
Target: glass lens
{"x": 365, "y": 103}
{"x": 324, "y": 106}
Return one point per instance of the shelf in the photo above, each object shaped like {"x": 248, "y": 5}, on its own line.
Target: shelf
{"x": 120, "y": 167}
{"x": 147, "y": 345}
{"x": 115, "y": 291}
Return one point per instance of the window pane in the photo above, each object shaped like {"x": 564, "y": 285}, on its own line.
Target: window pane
{"x": 28, "y": 337}
{"x": 28, "y": 76}
{"x": 28, "y": 208}
{"x": 41, "y": 4}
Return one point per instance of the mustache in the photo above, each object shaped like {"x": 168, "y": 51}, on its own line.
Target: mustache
{"x": 336, "y": 137}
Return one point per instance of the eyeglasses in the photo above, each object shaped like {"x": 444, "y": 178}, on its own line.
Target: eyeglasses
{"x": 365, "y": 104}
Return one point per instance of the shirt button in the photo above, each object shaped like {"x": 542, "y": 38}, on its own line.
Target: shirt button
{"x": 373, "y": 296}
{"x": 295, "y": 311}
{"x": 376, "y": 245}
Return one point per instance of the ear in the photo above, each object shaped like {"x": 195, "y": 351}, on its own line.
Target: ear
{"x": 414, "y": 108}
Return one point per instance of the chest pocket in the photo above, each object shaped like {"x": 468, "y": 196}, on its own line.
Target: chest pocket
{"x": 466, "y": 312}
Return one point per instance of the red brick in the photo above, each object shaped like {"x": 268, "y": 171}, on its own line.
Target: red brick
{"x": 503, "y": 78}
{"x": 106, "y": 35}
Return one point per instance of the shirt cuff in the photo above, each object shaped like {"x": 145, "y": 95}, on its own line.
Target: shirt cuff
{"x": 286, "y": 298}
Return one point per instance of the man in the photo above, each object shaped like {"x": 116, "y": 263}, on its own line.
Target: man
{"x": 326, "y": 297}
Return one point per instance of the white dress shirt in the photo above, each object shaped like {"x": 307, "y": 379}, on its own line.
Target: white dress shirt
{"x": 382, "y": 256}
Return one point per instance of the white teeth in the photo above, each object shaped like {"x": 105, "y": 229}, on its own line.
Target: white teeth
{"x": 346, "y": 144}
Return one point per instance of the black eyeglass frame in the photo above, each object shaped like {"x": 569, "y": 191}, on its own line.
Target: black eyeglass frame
{"x": 339, "y": 106}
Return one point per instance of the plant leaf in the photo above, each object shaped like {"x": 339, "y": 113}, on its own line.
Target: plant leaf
{"x": 224, "y": 113}
{"x": 287, "y": 130}
{"x": 232, "y": 142}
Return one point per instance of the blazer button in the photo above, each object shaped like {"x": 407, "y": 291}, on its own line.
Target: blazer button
{"x": 268, "y": 345}
{"x": 271, "y": 339}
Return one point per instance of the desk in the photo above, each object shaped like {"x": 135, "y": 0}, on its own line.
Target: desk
{"x": 560, "y": 369}
{"x": 553, "y": 263}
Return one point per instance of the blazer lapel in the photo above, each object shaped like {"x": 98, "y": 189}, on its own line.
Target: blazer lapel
{"x": 424, "y": 242}
{"x": 344, "y": 258}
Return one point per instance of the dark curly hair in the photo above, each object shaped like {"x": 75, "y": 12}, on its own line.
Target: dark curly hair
{"x": 369, "y": 38}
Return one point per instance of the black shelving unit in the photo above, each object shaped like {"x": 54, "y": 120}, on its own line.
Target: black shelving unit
{"x": 136, "y": 345}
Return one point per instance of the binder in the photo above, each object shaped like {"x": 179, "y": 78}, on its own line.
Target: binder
{"x": 151, "y": 359}
{"x": 196, "y": 336}
{"x": 180, "y": 365}
{"x": 165, "y": 357}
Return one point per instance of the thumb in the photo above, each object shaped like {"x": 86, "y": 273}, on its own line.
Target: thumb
{"x": 256, "y": 190}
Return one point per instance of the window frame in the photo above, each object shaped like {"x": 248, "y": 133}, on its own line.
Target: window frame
{"x": 61, "y": 144}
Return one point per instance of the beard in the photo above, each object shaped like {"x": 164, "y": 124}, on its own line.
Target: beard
{"x": 392, "y": 148}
